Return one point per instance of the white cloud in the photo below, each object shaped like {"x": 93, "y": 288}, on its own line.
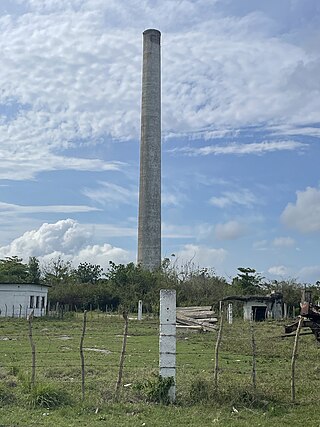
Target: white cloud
{"x": 71, "y": 73}
{"x": 283, "y": 242}
{"x": 309, "y": 273}
{"x": 173, "y": 231}
{"x": 304, "y": 214}
{"x": 10, "y": 209}
{"x": 201, "y": 255}
{"x": 237, "y": 148}
{"x": 102, "y": 254}
{"x": 230, "y": 230}
{"x": 169, "y": 199}
{"x": 260, "y": 245}
{"x": 109, "y": 193}
{"x": 243, "y": 197}
{"x": 279, "y": 270}
{"x": 66, "y": 238}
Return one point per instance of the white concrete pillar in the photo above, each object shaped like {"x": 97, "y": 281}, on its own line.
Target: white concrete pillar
{"x": 230, "y": 314}
{"x": 285, "y": 310}
{"x": 140, "y": 309}
{"x": 167, "y": 339}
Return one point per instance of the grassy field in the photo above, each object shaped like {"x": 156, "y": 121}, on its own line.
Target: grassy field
{"x": 58, "y": 376}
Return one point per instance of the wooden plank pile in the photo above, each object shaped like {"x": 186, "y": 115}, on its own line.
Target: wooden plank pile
{"x": 199, "y": 318}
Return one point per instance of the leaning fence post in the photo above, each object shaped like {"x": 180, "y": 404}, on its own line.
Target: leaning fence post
{"x": 33, "y": 350}
{"x": 167, "y": 339}
{"x": 216, "y": 358}
{"x": 81, "y": 353}
{"x": 122, "y": 355}
{"x": 293, "y": 360}
{"x": 254, "y": 358}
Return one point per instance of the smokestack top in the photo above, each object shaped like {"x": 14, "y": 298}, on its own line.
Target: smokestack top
{"x": 153, "y": 32}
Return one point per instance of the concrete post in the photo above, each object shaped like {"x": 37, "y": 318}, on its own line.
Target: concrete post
{"x": 230, "y": 314}
{"x": 285, "y": 310}
{"x": 140, "y": 310}
{"x": 167, "y": 340}
{"x": 149, "y": 227}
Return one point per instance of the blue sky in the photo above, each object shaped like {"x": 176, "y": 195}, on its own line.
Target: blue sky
{"x": 240, "y": 131}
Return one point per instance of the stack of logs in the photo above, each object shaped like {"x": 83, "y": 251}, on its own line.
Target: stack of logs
{"x": 198, "y": 318}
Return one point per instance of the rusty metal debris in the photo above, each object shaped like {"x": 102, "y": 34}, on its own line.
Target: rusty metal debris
{"x": 311, "y": 319}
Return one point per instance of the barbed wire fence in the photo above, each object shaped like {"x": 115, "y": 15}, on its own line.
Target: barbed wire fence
{"x": 82, "y": 352}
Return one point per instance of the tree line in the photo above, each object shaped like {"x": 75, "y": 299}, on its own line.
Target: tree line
{"x": 87, "y": 285}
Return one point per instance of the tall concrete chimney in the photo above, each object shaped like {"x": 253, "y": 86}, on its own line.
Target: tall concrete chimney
{"x": 149, "y": 228}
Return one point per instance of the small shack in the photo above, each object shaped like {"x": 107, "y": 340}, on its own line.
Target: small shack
{"x": 19, "y": 299}
{"x": 260, "y": 307}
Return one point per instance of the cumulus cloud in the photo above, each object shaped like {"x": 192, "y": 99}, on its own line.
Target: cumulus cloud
{"x": 283, "y": 242}
{"x": 230, "y": 230}
{"x": 201, "y": 255}
{"x": 65, "y": 238}
{"x": 304, "y": 214}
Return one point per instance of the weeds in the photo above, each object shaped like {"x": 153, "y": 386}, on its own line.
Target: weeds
{"x": 48, "y": 396}
{"x": 156, "y": 389}
{"x": 6, "y": 396}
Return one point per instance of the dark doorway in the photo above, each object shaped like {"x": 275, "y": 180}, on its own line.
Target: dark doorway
{"x": 258, "y": 313}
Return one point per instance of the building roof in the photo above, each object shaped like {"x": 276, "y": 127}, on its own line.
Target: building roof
{"x": 26, "y": 283}
{"x": 260, "y": 298}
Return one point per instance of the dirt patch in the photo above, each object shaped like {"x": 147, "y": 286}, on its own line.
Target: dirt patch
{"x": 98, "y": 350}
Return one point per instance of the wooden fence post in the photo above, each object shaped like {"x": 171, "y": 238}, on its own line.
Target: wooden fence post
{"x": 293, "y": 360}
{"x": 82, "y": 355}
{"x": 254, "y": 358}
{"x": 122, "y": 355}
{"x": 216, "y": 359}
{"x": 33, "y": 350}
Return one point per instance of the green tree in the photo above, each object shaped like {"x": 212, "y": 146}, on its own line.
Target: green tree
{"x": 58, "y": 271}
{"x": 248, "y": 280}
{"x": 88, "y": 273}
{"x": 130, "y": 283}
{"x": 13, "y": 270}
{"x": 34, "y": 272}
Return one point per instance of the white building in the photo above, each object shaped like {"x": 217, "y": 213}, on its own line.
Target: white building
{"x": 260, "y": 307}
{"x": 19, "y": 299}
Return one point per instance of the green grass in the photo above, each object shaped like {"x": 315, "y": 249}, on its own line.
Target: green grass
{"x": 58, "y": 376}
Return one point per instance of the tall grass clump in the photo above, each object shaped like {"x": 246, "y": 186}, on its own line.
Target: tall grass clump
{"x": 48, "y": 396}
